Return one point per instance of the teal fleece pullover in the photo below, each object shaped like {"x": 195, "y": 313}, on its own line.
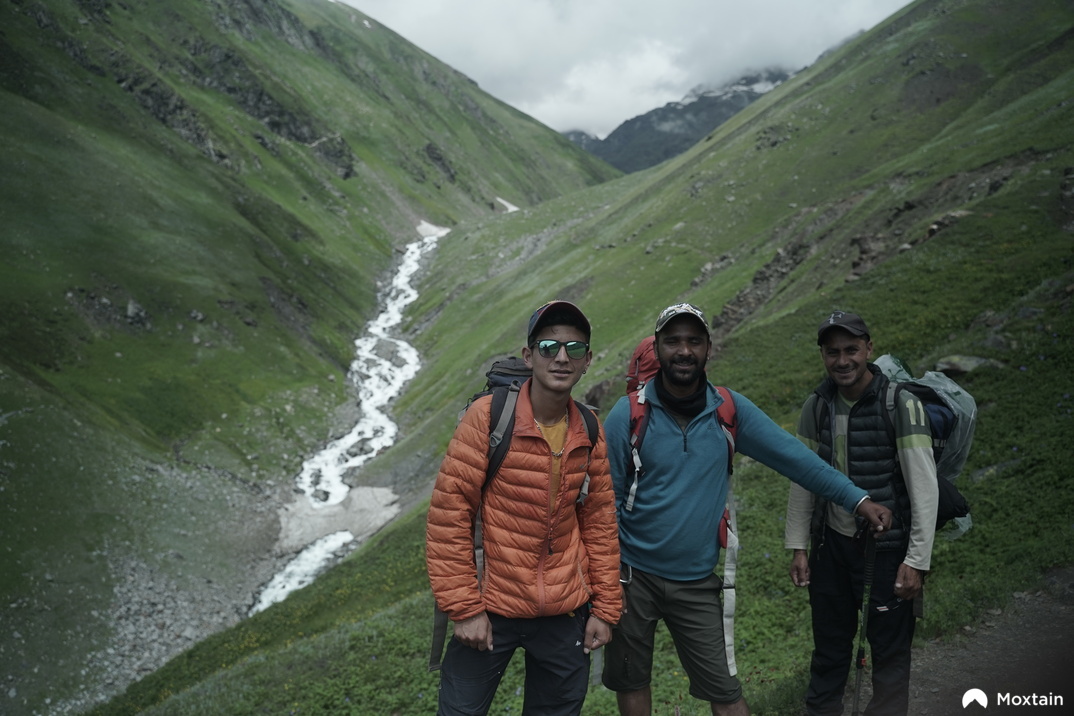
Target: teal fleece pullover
{"x": 672, "y": 529}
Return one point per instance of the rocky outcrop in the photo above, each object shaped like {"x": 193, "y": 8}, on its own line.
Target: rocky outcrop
{"x": 765, "y": 283}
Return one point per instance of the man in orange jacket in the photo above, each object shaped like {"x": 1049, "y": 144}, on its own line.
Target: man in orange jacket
{"x": 551, "y": 564}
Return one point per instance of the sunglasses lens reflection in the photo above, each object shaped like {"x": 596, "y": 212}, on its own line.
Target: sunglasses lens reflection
{"x": 550, "y": 349}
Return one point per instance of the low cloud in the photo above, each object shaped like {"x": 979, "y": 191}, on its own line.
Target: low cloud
{"x": 593, "y": 65}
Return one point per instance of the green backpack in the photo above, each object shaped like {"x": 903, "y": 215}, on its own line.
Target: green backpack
{"x": 952, "y": 416}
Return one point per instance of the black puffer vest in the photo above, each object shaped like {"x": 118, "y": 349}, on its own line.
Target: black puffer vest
{"x": 871, "y": 456}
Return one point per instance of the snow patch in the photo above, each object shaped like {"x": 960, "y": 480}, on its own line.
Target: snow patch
{"x": 509, "y": 207}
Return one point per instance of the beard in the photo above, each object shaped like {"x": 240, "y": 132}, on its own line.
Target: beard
{"x": 683, "y": 373}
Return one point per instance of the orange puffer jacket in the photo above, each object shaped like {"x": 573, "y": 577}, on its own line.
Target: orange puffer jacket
{"x": 536, "y": 564}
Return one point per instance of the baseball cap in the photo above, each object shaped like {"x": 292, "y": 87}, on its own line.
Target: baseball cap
{"x": 681, "y": 309}
{"x": 851, "y": 322}
{"x": 536, "y": 322}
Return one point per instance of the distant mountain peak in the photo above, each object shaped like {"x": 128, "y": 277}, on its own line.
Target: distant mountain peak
{"x": 664, "y": 132}
{"x": 759, "y": 83}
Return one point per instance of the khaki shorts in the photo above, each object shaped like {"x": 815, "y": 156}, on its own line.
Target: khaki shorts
{"x": 693, "y": 614}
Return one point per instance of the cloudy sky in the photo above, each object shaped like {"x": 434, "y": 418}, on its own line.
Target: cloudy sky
{"x": 592, "y": 64}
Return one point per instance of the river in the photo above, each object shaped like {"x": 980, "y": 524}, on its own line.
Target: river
{"x": 329, "y": 515}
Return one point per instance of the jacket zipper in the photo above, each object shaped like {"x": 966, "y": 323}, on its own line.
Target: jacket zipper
{"x": 540, "y": 582}
{"x": 544, "y": 554}
{"x": 548, "y": 551}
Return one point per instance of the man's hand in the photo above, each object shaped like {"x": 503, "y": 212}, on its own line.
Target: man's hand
{"x": 908, "y": 582}
{"x": 475, "y": 632}
{"x": 597, "y": 633}
{"x": 877, "y": 515}
{"x": 800, "y": 568}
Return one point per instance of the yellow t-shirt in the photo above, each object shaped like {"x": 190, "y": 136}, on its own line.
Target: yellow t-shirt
{"x": 556, "y": 437}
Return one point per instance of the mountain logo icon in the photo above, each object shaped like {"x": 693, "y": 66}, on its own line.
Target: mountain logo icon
{"x": 974, "y": 695}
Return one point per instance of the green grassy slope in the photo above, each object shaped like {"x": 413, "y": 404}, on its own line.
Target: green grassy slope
{"x": 923, "y": 176}
{"x": 197, "y": 199}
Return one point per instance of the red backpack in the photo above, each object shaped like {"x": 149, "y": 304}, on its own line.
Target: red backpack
{"x": 643, "y": 365}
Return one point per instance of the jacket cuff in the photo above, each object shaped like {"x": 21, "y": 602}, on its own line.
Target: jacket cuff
{"x": 612, "y": 617}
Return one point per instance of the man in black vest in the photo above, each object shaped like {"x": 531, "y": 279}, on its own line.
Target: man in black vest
{"x": 845, "y": 420}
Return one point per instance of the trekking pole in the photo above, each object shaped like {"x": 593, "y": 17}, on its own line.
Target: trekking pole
{"x": 870, "y": 562}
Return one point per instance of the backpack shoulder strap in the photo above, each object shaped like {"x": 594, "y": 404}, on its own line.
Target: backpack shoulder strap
{"x": 592, "y": 428}
{"x": 890, "y": 398}
{"x": 501, "y": 423}
{"x": 639, "y": 423}
{"x": 727, "y": 417}
{"x": 818, "y": 412}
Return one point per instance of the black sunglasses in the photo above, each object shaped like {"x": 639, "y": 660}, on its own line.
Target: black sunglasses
{"x": 549, "y": 348}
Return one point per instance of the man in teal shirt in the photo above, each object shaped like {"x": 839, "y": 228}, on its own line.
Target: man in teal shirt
{"x": 669, "y": 535}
